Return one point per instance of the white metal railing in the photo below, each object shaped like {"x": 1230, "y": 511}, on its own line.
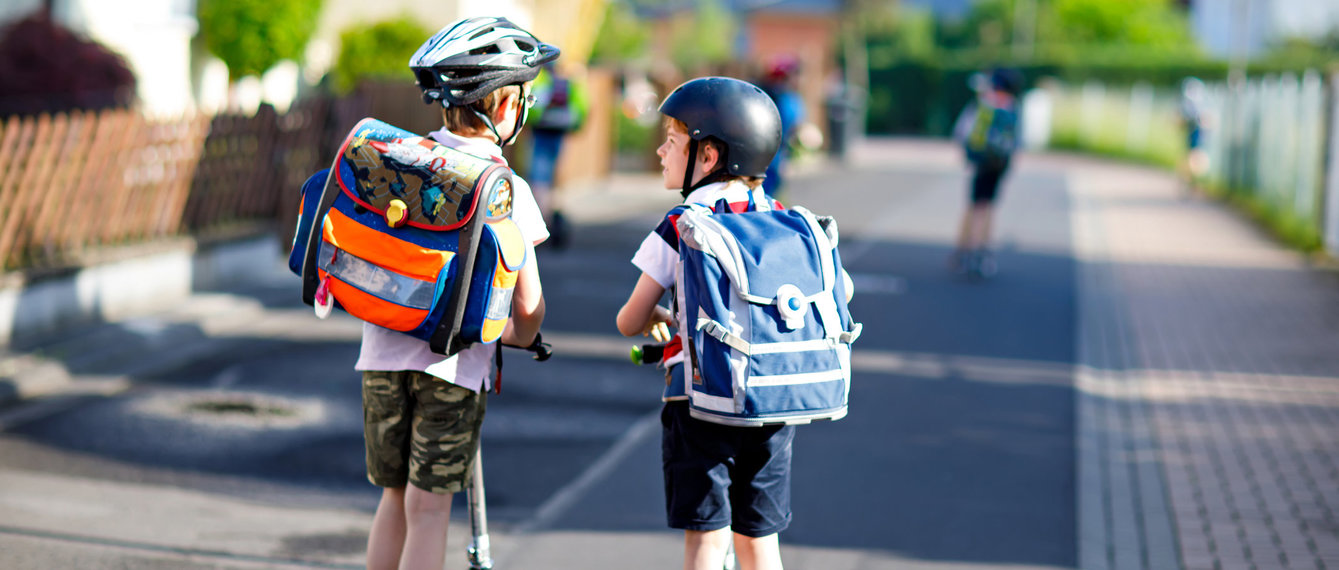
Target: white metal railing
{"x": 1275, "y": 137}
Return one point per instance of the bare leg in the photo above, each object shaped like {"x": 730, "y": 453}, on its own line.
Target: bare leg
{"x": 427, "y": 515}
{"x": 1197, "y": 163}
{"x": 763, "y": 553}
{"x": 705, "y": 550}
{"x": 386, "y": 540}
{"x": 963, "y": 248}
{"x": 981, "y": 217}
{"x": 965, "y": 230}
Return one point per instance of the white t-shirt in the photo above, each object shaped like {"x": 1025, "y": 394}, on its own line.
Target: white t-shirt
{"x": 385, "y": 349}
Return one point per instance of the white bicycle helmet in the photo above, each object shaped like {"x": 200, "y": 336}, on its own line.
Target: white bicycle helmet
{"x": 469, "y": 59}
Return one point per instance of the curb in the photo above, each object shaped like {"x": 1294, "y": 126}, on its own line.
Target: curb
{"x": 36, "y": 309}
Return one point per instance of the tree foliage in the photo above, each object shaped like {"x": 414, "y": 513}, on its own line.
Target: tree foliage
{"x": 250, "y": 36}
{"x": 1074, "y": 28}
{"x": 895, "y": 32}
{"x": 1155, "y": 23}
{"x": 377, "y": 51}
{"x": 705, "y": 38}
{"x": 622, "y": 35}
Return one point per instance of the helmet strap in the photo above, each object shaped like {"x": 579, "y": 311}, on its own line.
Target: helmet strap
{"x": 522, "y": 112}
{"x": 688, "y": 171}
{"x": 492, "y": 127}
{"x": 720, "y": 174}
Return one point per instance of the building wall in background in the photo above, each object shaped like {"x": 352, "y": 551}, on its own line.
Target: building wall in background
{"x": 810, "y": 37}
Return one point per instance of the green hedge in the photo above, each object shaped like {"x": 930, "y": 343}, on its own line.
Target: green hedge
{"x": 923, "y": 97}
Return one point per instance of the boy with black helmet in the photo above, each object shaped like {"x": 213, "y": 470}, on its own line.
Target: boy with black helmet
{"x": 422, "y": 411}
{"x": 721, "y": 134}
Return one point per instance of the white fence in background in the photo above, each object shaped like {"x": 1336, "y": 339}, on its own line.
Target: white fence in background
{"x": 1273, "y": 137}
{"x": 1268, "y": 138}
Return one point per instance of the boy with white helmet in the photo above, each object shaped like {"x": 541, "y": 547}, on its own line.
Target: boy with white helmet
{"x": 423, "y": 411}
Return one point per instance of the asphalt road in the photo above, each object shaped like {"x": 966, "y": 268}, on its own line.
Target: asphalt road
{"x": 226, "y": 433}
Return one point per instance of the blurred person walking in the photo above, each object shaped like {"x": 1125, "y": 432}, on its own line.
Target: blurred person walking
{"x": 778, "y": 82}
{"x": 560, "y": 109}
{"x": 988, "y": 131}
{"x": 1193, "y": 119}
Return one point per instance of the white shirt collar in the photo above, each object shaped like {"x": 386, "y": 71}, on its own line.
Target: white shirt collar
{"x": 476, "y": 146}
{"x": 710, "y": 193}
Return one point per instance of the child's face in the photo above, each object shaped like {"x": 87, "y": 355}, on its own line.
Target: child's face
{"x": 673, "y": 155}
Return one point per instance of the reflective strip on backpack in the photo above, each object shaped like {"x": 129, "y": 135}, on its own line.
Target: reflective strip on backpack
{"x": 499, "y": 304}
{"x": 804, "y": 378}
{"x": 715, "y": 403}
{"x": 375, "y": 280}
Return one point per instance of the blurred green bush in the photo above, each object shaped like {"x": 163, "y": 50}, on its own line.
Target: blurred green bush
{"x": 377, "y": 51}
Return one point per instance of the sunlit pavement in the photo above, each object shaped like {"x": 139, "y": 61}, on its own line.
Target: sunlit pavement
{"x": 1149, "y": 382}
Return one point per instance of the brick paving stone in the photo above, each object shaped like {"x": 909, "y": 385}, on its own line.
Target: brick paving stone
{"x": 1226, "y": 341}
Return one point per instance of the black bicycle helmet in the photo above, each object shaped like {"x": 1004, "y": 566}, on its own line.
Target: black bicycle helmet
{"x": 471, "y": 58}
{"x": 736, "y": 113}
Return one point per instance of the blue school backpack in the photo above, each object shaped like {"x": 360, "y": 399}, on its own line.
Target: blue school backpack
{"x": 994, "y": 135}
{"x": 767, "y": 331}
{"x": 411, "y": 235}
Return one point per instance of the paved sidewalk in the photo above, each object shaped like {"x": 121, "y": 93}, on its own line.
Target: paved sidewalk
{"x": 1209, "y": 384}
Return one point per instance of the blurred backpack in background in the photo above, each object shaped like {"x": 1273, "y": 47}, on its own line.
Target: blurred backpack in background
{"x": 558, "y": 103}
{"x": 994, "y": 134}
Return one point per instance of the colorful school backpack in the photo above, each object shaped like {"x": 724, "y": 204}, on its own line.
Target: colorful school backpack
{"x": 994, "y": 135}
{"x": 410, "y": 235}
{"x": 766, "y": 326}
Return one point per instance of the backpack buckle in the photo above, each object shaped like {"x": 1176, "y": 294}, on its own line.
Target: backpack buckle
{"x": 790, "y": 302}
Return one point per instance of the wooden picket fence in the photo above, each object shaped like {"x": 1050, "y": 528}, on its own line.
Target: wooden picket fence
{"x": 76, "y": 182}
{"x": 73, "y": 184}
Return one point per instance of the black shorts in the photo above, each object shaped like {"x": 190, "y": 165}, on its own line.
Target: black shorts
{"x": 718, "y": 476}
{"x": 986, "y": 182}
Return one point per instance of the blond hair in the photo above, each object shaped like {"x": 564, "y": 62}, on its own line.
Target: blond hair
{"x": 463, "y": 121}
{"x": 722, "y": 151}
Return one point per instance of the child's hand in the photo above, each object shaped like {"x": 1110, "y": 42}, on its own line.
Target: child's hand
{"x": 659, "y": 332}
{"x": 658, "y": 326}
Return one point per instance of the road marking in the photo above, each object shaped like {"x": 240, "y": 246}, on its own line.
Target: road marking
{"x": 924, "y": 365}
{"x": 872, "y": 283}
{"x": 568, "y": 495}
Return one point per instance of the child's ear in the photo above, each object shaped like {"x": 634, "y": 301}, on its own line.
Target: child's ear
{"x": 503, "y": 106}
{"x": 708, "y": 156}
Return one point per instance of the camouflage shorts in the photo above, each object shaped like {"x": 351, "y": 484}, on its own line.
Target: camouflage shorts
{"x": 420, "y": 429}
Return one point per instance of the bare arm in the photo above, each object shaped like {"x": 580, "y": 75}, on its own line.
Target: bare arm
{"x": 641, "y": 313}
{"x": 527, "y": 304}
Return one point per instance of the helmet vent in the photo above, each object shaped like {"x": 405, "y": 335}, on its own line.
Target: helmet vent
{"x": 425, "y": 78}
{"x": 485, "y": 50}
{"x": 482, "y": 32}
